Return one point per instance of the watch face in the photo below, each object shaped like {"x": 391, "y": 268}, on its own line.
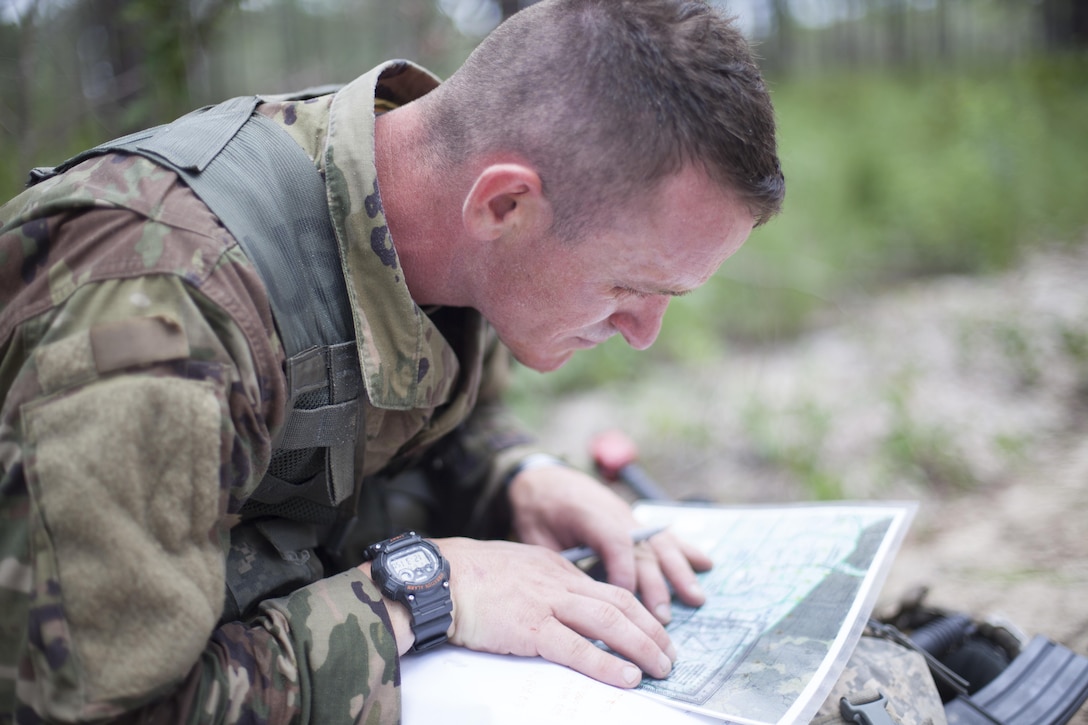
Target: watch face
{"x": 414, "y": 565}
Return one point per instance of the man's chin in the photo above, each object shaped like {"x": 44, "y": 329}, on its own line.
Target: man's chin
{"x": 545, "y": 364}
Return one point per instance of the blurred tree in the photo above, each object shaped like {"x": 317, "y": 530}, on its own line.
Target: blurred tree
{"x": 91, "y": 69}
{"x": 16, "y": 87}
{"x": 144, "y": 57}
{"x": 1065, "y": 23}
{"x": 895, "y": 13}
{"x": 509, "y": 7}
{"x": 783, "y": 33}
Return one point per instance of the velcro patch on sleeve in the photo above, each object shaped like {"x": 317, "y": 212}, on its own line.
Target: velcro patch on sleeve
{"x": 109, "y": 347}
{"x": 124, "y": 474}
{"x": 65, "y": 363}
{"x": 137, "y": 341}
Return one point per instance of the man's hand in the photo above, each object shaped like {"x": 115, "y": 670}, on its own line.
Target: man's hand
{"x": 512, "y": 598}
{"x": 558, "y": 507}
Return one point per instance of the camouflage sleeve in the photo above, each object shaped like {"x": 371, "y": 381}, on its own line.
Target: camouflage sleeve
{"x": 138, "y": 382}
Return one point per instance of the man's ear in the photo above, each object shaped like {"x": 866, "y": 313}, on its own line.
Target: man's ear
{"x": 505, "y": 198}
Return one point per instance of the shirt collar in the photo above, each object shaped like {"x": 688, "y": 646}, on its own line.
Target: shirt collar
{"x": 405, "y": 360}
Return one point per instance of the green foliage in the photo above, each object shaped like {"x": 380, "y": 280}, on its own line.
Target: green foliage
{"x": 79, "y": 73}
{"x": 793, "y": 440}
{"x": 927, "y": 453}
{"x": 1073, "y": 343}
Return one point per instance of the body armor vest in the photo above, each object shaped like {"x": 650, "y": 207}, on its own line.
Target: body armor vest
{"x": 269, "y": 195}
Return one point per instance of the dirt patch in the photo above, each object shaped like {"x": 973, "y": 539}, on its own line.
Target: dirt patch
{"x": 968, "y": 395}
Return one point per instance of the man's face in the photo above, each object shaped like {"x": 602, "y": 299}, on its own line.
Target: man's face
{"x": 551, "y": 298}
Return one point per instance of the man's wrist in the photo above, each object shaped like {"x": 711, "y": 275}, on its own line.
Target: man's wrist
{"x": 400, "y": 619}
{"x": 531, "y": 461}
{"x": 411, "y": 569}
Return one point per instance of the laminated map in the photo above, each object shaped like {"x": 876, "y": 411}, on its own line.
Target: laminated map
{"x": 789, "y": 594}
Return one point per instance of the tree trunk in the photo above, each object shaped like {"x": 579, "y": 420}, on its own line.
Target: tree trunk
{"x": 1065, "y": 23}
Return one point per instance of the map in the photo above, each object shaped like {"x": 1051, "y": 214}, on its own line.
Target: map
{"x": 789, "y": 593}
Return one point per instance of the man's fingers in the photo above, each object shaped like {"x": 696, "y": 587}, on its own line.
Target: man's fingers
{"x": 677, "y": 559}
{"x": 556, "y": 611}
{"x": 562, "y": 645}
{"x": 652, "y": 585}
{"x": 652, "y": 566}
{"x": 615, "y": 617}
{"x": 619, "y": 563}
{"x": 699, "y": 559}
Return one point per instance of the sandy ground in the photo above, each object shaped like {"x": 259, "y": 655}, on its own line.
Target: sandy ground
{"x": 967, "y": 395}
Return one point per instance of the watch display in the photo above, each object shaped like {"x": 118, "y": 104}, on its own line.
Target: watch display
{"x": 414, "y": 566}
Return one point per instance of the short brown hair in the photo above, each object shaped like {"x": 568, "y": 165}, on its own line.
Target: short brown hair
{"x": 608, "y": 97}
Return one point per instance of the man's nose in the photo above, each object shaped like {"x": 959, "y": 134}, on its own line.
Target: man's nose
{"x": 641, "y": 322}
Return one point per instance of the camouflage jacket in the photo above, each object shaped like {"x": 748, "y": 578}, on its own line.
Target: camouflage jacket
{"x": 141, "y": 381}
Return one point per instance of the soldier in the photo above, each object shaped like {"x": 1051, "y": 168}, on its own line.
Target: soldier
{"x": 192, "y": 526}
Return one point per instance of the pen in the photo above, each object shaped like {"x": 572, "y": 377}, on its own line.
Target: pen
{"x": 579, "y": 553}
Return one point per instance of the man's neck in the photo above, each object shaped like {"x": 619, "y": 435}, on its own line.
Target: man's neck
{"x": 421, "y": 210}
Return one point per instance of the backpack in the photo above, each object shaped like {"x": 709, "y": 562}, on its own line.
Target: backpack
{"x": 925, "y": 665}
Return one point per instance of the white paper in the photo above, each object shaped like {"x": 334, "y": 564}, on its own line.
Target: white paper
{"x": 454, "y": 685}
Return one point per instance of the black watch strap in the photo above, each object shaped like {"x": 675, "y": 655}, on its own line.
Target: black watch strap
{"x": 430, "y": 627}
{"x": 430, "y": 606}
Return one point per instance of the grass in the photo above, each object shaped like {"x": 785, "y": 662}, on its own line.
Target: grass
{"x": 793, "y": 440}
{"x": 926, "y": 453}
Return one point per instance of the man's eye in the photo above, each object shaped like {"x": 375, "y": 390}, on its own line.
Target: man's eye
{"x": 629, "y": 292}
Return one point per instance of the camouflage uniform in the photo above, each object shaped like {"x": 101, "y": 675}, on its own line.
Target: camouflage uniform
{"x": 142, "y": 382}
{"x": 880, "y": 667}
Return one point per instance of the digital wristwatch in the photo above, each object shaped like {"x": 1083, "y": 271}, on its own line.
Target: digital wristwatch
{"x": 411, "y": 570}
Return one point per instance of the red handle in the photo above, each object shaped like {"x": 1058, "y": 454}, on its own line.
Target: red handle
{"x": 612, "y": 451}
